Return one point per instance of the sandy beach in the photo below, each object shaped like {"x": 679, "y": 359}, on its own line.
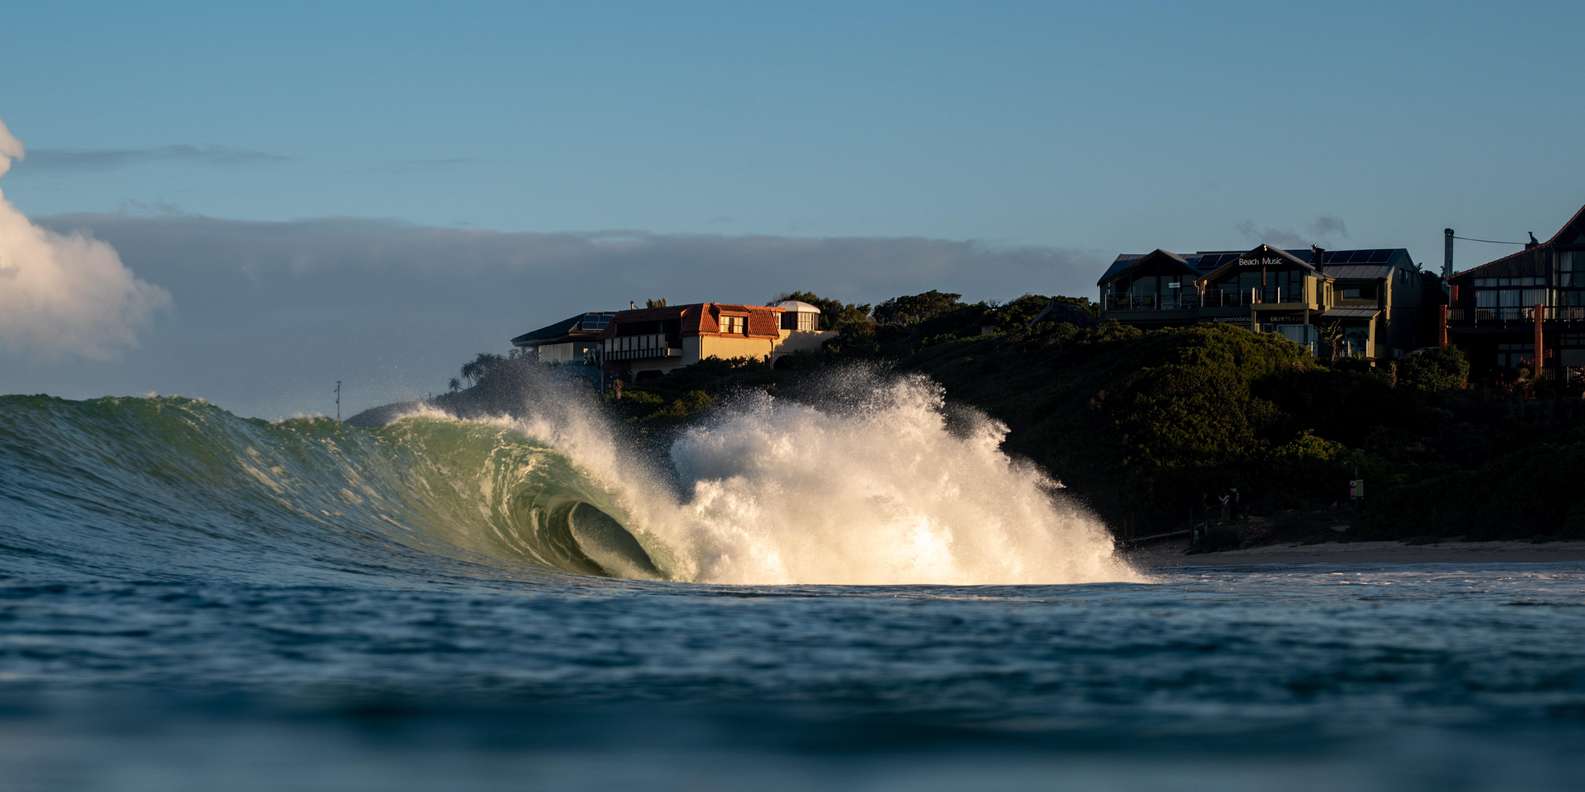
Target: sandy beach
{"x": 1343, "y": 553}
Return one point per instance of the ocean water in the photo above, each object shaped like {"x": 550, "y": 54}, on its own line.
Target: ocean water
{"x": 785, "y": 597}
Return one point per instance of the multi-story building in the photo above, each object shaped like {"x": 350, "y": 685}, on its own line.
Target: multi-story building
{"x": 576, "y": 339}
{"x": 1373, "y": 304}
{"x": 647, "y": 342}
{"x": 1526, "y": 310}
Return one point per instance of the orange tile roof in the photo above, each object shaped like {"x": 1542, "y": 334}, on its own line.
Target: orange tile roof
{"x": 704, "y": 318}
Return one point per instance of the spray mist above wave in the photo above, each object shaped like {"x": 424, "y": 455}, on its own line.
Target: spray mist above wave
{"x": 884, "y": 490}
{"x": 864, "y": 480}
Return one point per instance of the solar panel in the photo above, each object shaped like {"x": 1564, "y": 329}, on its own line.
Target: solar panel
{"x": 596, "y": 321}
{"x": 1380, "y": 256}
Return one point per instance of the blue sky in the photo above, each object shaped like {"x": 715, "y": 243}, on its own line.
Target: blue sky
{"x": 1088, "y": 129}
{"x": 1106, "y": 125}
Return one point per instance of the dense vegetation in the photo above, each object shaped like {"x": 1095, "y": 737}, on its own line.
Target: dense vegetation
{"x": 1150, "y": 428}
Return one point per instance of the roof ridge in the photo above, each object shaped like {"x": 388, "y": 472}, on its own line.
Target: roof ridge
{"x": 1576, "y": 217}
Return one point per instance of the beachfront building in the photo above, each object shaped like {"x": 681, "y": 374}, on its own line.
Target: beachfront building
{"x": 648, "y": 342}
{"x": 1529, "y": 305}
{"x": 1369, "y": 304}
{"x": 576, "y": 339}
{"x": 802, "y": 328}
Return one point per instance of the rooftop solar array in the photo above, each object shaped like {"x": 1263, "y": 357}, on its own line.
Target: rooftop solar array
{"x": 1210, "y": 261}
{"x": 595, "y": 321}
{"x": 1378, "y": 256}
{"x": 1359, "y": 271}
{"x": 1207, "y": 261}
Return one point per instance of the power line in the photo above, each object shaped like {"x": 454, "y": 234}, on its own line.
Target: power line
{"x": 1489, "y": 241}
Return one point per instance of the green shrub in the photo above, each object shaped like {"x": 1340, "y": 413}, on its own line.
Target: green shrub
{"x": 1434, "y": 371}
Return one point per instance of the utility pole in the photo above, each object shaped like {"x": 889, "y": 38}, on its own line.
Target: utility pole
{"x": 338, "y": 401}
{"x": 1447, "y": 257}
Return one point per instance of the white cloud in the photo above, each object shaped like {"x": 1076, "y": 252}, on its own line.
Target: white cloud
{"x": 10, "y": 149}
{"x": 65, "y": 294}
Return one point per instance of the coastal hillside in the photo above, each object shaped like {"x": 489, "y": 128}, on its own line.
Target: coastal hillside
{"x": 1152, "y": 429}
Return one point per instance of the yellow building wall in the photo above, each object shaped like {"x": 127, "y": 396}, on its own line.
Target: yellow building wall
{"x": 726, "y": 347}
{"x": 803, "y": 341}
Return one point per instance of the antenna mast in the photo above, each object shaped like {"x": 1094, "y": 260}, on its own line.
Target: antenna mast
{"x": 338, "y": 400}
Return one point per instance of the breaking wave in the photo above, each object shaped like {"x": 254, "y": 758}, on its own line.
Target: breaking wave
{"x": 886, "y": 489}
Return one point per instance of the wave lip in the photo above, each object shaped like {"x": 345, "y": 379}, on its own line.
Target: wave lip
{"x": 178, "y": 487}
{"x": 873, "y": 485}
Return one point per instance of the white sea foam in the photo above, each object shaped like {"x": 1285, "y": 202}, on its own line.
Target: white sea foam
{"x": 879, "y": 492}
{"x": 872, "y": 485}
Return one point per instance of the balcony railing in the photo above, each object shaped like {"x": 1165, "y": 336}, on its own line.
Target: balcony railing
{"x": 1150, "y": 302}
{"x": 645, "y": 353}
{"x": 1194, "y": 300}
{"x": 1567, "y": 313}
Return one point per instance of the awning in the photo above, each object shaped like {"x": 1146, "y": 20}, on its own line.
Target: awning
{"x": 1351, "y": 313}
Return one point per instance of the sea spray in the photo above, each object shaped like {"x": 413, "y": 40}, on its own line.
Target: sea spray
{"x": 883, "y": 490}
{"x": 864, "y": 479}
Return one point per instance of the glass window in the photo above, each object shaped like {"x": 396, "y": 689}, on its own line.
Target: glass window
{"x": 1513, "y": 356}
{"x": 1571, "y": 268}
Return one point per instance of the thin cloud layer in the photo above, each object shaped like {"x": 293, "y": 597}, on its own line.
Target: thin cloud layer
{"x": 103, "y": 159}
{"x": 273, "y": 313}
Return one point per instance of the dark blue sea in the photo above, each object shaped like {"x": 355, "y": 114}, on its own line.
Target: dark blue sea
{"x": 194, "y": 601}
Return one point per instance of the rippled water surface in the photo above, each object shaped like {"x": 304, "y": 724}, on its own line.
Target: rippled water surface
{"x": 1428, "y": 676}
{"x": 190, "y": 601}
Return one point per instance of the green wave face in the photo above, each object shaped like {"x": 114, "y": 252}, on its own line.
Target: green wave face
{"x": 177, "y": 486}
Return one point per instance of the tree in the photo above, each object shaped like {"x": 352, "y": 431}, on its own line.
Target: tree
{"x": 834, "y": 314}
{"x": 480, "y": 367}
{"x": 655, "y": 302}
{"x": 1332, "y": 336}
{"x": 1018, "y": 315}
{"x": 1434, "y": 370}
{"x": 455, "y": 385}
{"x": 915, "y": 308}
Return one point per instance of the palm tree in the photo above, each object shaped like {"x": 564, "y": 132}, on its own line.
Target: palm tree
{"x": 480, "y": 367}
{"x": 455, "y": 385}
